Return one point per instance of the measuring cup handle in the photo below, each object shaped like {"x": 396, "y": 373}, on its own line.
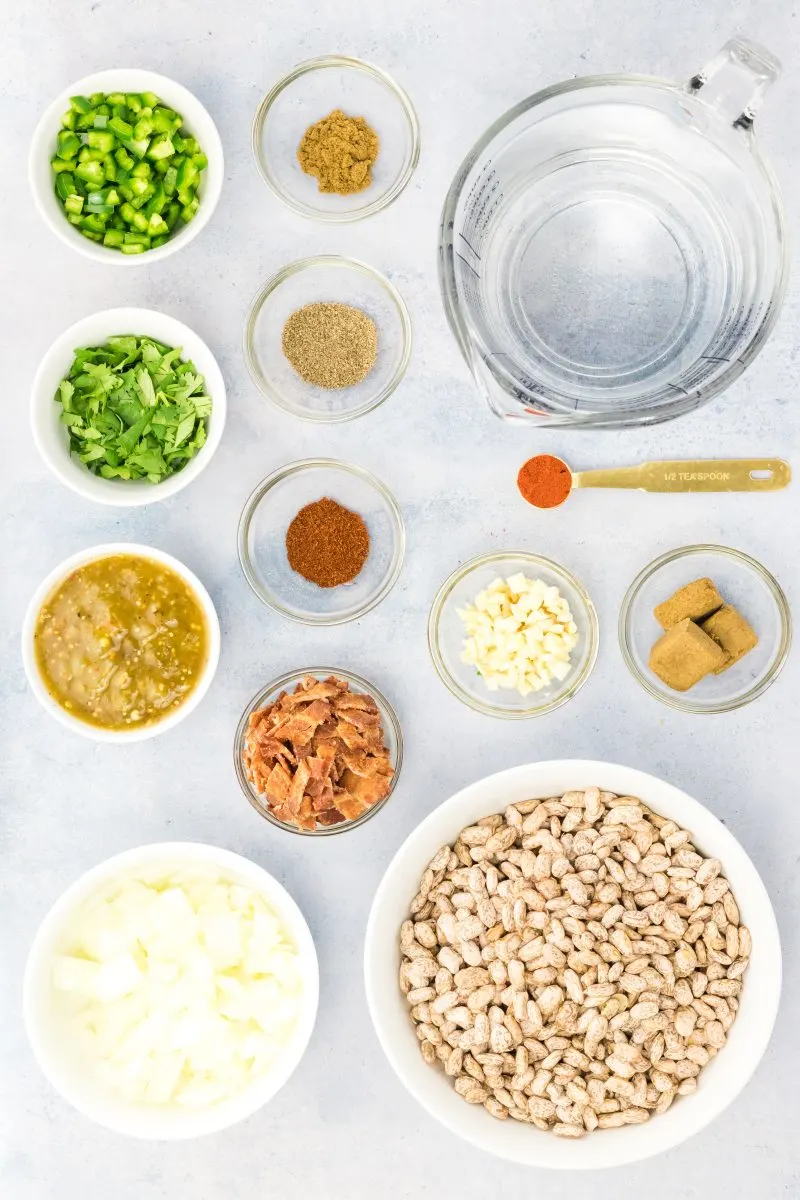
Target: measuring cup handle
{"x": 736, "y": 80}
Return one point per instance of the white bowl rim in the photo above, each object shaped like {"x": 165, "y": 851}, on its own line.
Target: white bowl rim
{"x": 120, "y": 493}
{"x": 617, "y": 1147}
{"x": 243, "y": 1104}
{"x": 51, "y": 581}
{"x": 112, "y": 79}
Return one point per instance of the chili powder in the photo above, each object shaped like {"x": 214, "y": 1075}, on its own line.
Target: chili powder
{"x": 327, "y": 544}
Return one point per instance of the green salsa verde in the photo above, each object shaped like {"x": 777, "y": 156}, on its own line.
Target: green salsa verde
{"x": 121, "y": 642}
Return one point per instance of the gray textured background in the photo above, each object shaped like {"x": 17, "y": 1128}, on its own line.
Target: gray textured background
{"x": 344, "y": 1128}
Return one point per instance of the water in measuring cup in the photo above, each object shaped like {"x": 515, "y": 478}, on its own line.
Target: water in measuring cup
{"x": 608, "y": 275}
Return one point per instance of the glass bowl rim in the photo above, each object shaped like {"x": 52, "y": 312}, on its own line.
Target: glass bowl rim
{"x": 273, "y": 283}
{"x": 324, "y": 62}
{"x": 771, "y": 674}
{"x": 388, "y": 715}
{"x": 297, "y": 468}
{"x": 488, "y": 709}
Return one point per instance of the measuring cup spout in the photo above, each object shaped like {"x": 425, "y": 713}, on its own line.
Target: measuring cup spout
{"x": 736, "y": 80}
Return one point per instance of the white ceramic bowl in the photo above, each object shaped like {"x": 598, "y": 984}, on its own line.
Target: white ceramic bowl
{"x": 52, "y": 1052}
{"x": 36, "y": 682}
{"x": 52, "y": 437}
{"x": 721, "y": 1080}
{"x": 123, "y": 79}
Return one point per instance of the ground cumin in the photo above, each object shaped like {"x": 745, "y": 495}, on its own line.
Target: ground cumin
{"x": 327, "y": 543}
{"x": 339, "y": 151}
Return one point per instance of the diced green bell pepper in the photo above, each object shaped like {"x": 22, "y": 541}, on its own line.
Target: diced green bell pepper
{"x": 94, "y": 223}
{"x": 126, "y": 171}
{"x": 189, "y": 210}
{"x": 91, "y": 172}
{"x": 156, "y": 202}
{"x": 137, "y": 148}
{"x": 101, "y": 139}
{"x": 121, "y": 128}
{"x": 161, "y": 147}
{"x": 187, "y": 178}
{"x": 65, "y": 185}
{"x": 67, "y": 144}
{"x": 164, "y": 119}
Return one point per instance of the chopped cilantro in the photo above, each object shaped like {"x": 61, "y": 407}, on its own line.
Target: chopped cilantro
{"x": 134, "y": 409}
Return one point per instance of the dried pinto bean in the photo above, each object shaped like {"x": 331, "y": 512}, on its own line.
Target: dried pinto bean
{"x": 573, "y": 963}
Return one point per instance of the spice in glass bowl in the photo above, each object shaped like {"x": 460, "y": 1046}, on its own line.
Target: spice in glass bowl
{"x": 339, "y": 151}
{"x": 330, "y": 345}
{"x": 327, "y": 543}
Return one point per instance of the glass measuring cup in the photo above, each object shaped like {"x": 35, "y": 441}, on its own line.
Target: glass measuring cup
{"x": 613, "y": 249}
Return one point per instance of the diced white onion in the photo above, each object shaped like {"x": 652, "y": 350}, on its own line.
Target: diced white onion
{"x": 180, "y": 990}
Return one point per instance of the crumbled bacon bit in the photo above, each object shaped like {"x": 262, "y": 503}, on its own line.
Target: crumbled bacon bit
{"x": 317, "y": 755}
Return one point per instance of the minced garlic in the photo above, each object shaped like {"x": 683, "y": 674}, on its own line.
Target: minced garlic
{"x": 520, "y": 634}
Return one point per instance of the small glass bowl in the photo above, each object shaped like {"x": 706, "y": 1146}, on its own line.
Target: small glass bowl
{"x": 334, "y": 279}
{"x": 446, "y": 635}
{"x": 306, "y": 95}
{"x": 742, "y": 582}
{"x": 262, "y": 540}
{"x": 391, "y": 732}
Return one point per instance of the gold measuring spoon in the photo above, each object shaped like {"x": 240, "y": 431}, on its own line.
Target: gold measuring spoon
{"x": 546, "y": 481}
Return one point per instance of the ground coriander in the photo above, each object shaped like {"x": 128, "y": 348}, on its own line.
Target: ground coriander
{"x": 330, "y": 345}
{"x": 339, "y": 151}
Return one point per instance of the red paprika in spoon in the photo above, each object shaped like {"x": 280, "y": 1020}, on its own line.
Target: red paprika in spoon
{"x": 545, "y": 481}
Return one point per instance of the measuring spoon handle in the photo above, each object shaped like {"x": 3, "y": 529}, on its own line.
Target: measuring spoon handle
{"x": 693, "y": 475}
